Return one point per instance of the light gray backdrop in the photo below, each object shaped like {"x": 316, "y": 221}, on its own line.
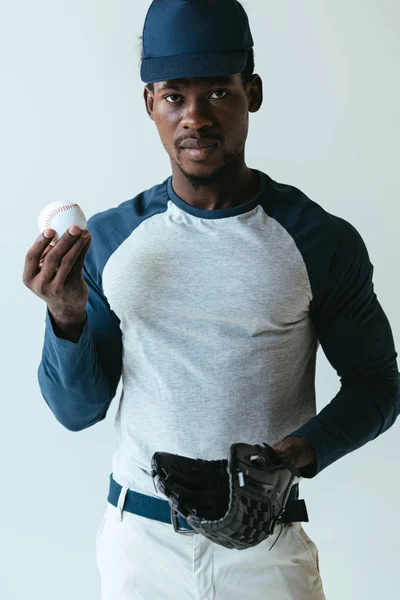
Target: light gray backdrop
{"x": 73, "y": 126}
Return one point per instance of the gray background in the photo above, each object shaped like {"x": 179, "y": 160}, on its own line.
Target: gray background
{"x": 74, "y": 127}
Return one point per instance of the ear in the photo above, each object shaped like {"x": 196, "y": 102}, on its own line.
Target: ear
{"x": 255, "y": 93}
{"x": 149, "y": 101}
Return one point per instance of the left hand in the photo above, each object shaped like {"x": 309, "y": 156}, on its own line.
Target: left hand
{"x": 298, "y": 449}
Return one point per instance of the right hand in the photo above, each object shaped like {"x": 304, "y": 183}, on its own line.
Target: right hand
{"x": 53, "y": 271}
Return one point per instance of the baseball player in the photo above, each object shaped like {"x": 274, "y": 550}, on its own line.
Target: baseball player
{"x": 209, "y": 295}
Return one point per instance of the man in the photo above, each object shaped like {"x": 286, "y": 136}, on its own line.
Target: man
{"x": 209, "y": 294}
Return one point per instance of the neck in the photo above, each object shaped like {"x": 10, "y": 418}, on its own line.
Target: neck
{"x": 234, "y": 186}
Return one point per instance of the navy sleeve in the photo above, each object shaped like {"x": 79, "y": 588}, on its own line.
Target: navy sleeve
{"x": 79, "y": 380}
{"x": 357, "y": 340}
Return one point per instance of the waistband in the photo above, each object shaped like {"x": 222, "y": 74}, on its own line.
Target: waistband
{"x": 155, "y": 508}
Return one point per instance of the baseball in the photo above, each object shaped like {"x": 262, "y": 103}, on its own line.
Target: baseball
{"x": 60, "y": 216}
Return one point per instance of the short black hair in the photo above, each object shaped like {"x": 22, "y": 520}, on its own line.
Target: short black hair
{"x": 246, "y": 74}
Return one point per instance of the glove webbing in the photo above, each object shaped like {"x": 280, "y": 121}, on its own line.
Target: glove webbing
{"x": 253, "y": 520}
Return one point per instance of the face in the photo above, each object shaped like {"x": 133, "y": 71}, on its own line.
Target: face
{"x": 203, "y": 123}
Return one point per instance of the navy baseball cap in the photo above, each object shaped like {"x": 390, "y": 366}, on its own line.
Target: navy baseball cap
{"x": 194, "y": 38}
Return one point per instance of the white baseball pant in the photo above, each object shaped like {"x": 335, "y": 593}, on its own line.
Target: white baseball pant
{"x": 143, "y": 559}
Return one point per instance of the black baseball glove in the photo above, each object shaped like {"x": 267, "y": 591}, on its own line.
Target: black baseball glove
{"x": 235, "y": 502}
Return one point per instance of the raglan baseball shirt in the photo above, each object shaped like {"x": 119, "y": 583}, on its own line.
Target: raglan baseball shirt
{"x": 213, "y": 319}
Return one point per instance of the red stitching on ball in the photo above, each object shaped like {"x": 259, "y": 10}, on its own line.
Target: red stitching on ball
{"x": 56, "y": 211}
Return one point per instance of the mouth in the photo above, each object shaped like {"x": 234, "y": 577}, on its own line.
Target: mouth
{"x": 199, "y": 153}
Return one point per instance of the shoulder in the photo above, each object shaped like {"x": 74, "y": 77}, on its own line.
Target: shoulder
{"x": 308, "y": 222}
{"x": 328, "y": 243}
{"x": 130, "y": 213}
{"x": 110, "y": 228}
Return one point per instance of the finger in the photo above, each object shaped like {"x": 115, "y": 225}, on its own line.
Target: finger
{"x": 77, "y": 268}
{"x": 48, "y": 249}
{"x": 34, "y": 255}
{"x": 54, "y": 257}
{"x": 71, "y": 264}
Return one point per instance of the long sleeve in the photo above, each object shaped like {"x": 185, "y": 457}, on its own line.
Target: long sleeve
{"x": 357, "y": 340}
{"x": 79, "y": 380}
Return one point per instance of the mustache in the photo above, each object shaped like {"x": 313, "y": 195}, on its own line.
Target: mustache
{"x": 193, "y": 136}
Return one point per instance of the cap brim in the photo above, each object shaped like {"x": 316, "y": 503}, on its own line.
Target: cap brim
{"x": 210, "y": 64}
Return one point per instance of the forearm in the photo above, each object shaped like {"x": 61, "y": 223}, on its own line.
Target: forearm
{"x": 72, "y": 380}
{"x": 359, "y": 413}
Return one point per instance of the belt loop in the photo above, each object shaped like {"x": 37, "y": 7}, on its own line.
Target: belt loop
{"x": 121, "y": 502}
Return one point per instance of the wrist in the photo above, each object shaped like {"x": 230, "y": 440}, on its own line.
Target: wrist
{"x": 65, "y": 316}
{"x": 68, "y": 325}
{"x": 298, "y": 449}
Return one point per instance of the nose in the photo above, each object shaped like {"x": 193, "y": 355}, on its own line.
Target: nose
{"x": 196, "y": 114}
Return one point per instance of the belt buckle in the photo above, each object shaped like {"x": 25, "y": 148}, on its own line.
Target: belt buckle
{"x": 174, "y": 521}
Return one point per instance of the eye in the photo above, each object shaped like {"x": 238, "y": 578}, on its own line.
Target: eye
{"x": 171, "y": 96}
{"x": 225, "y": 92}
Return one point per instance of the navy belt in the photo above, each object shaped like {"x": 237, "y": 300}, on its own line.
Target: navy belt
{"x": 160, "y": 510}
{"x": 148, "y": 506}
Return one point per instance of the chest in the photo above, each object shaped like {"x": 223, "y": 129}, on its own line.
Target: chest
{"x": 250, "y": 277}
